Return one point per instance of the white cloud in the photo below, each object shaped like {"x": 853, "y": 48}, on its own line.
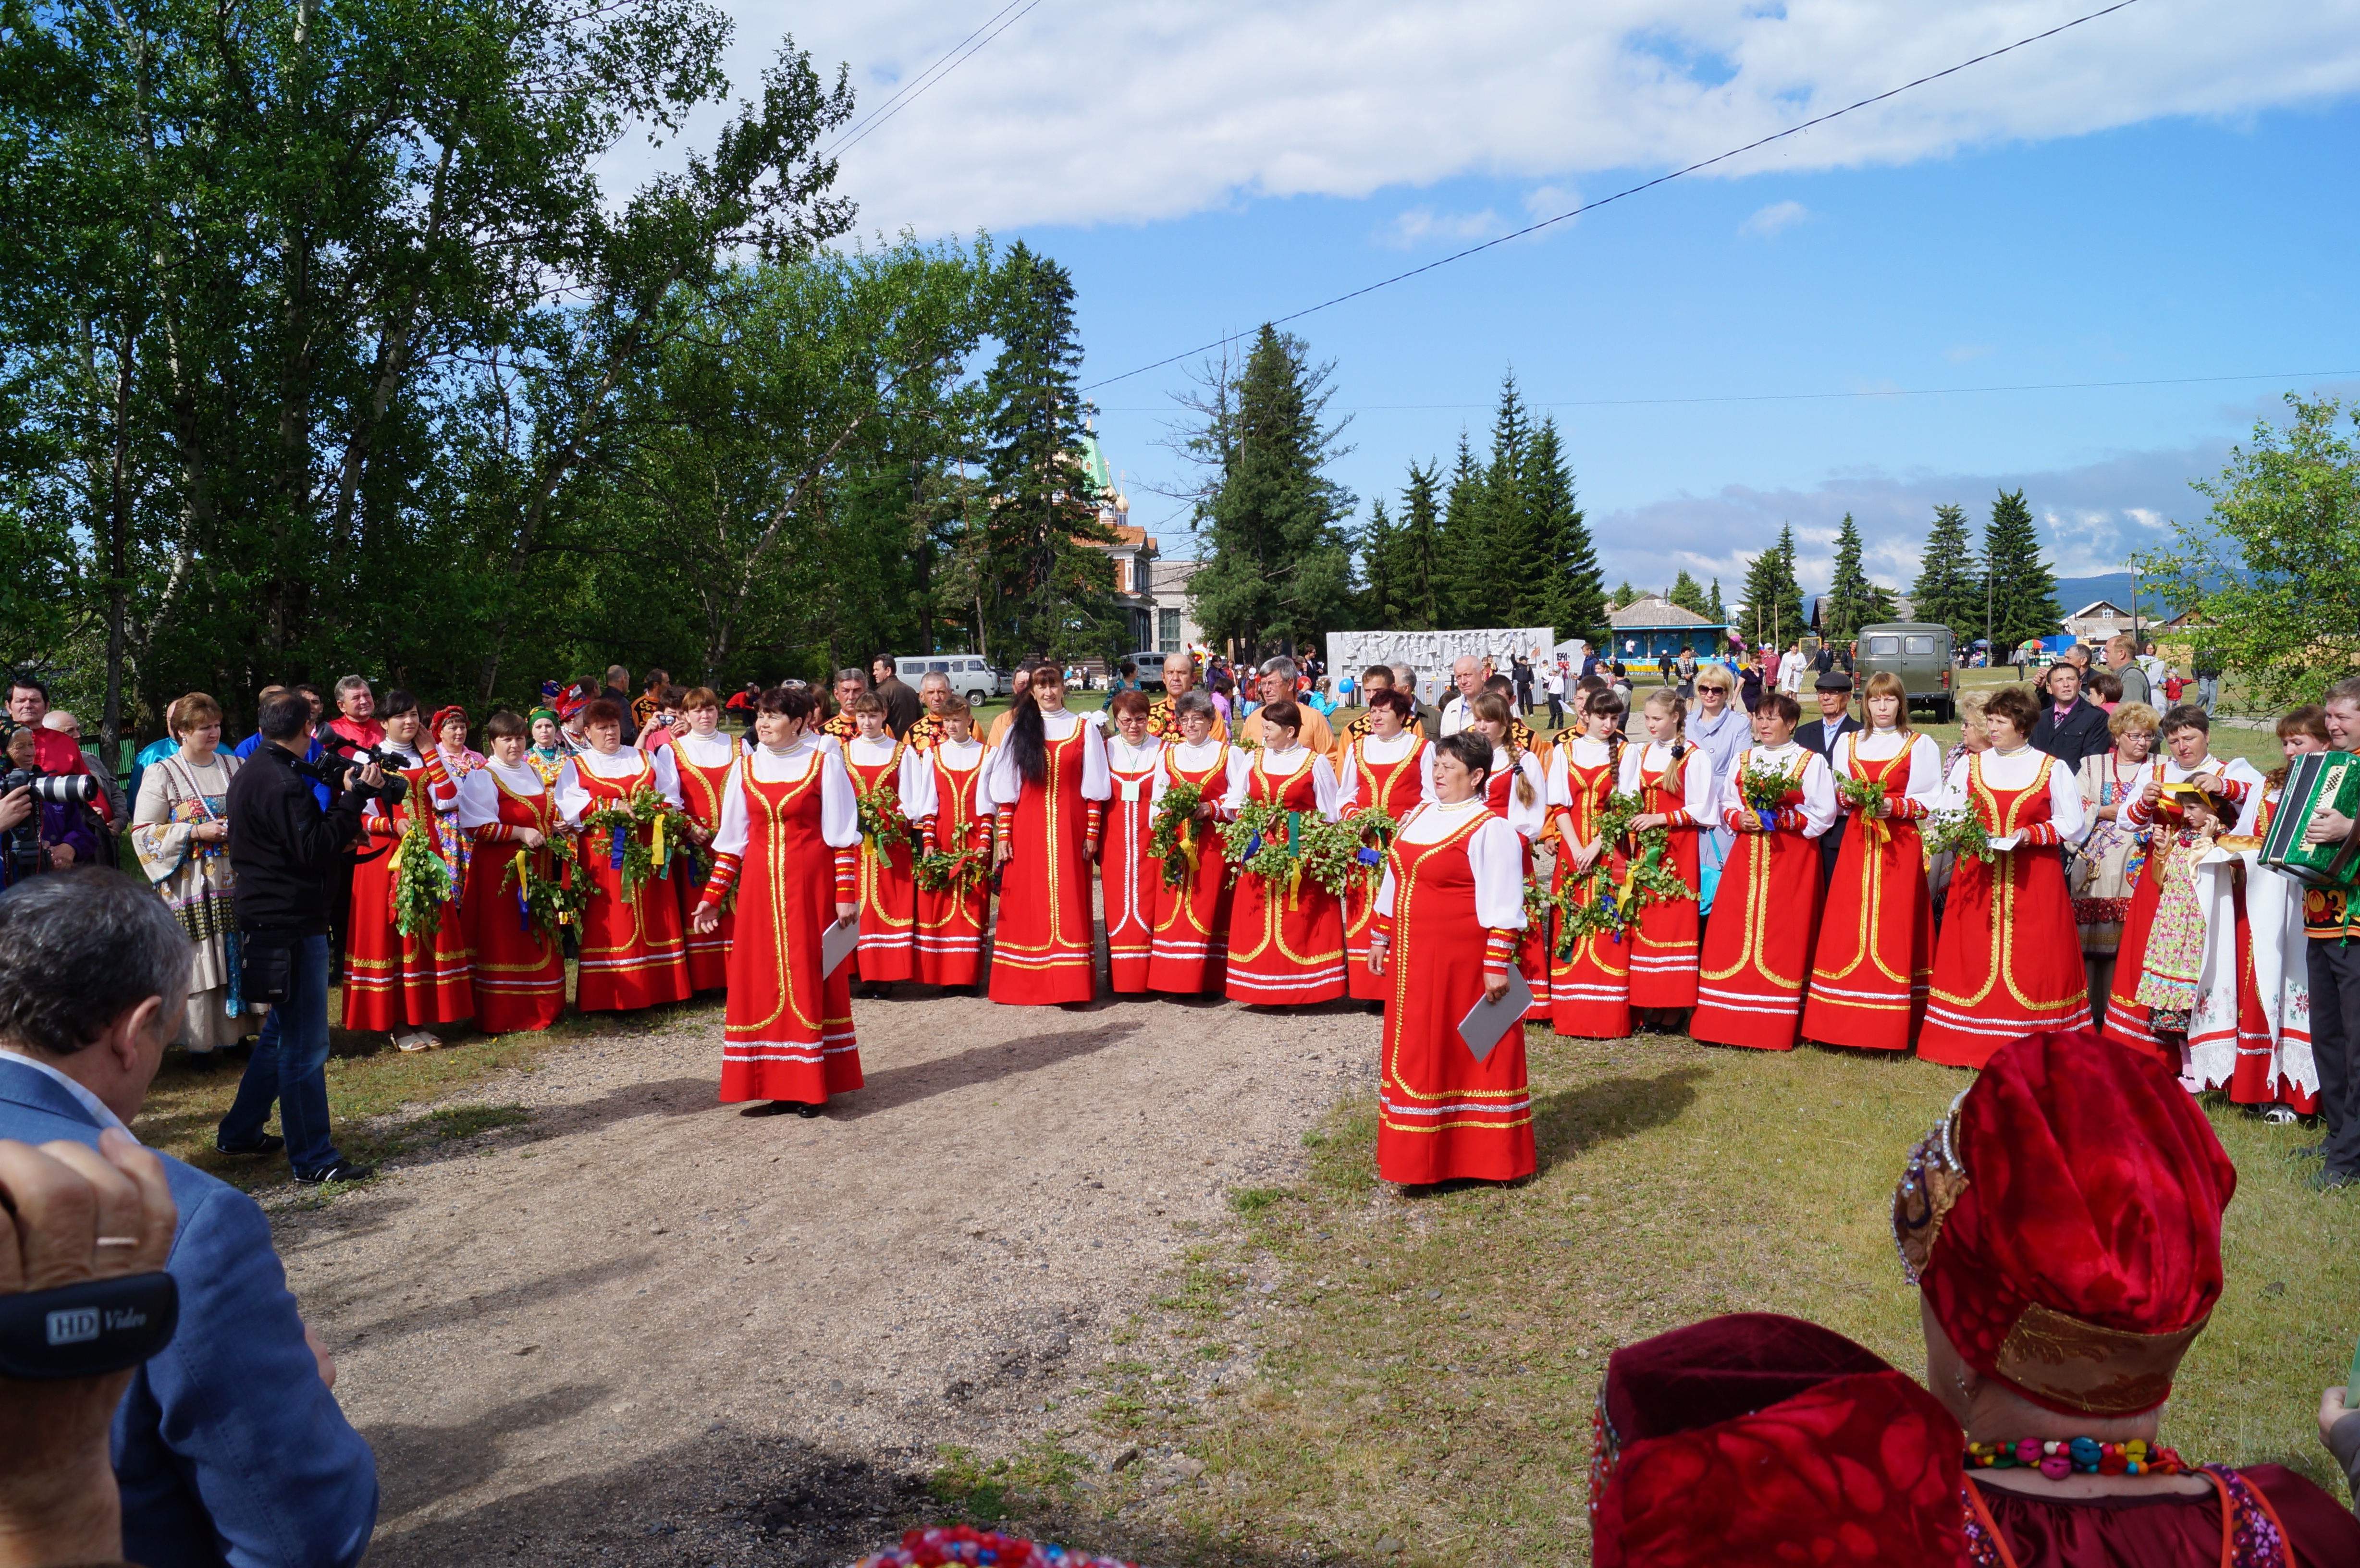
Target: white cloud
{"x": 1423, "y": 225}
{"x": 1131, "y": 113}
{"x": 1767, "y": 223}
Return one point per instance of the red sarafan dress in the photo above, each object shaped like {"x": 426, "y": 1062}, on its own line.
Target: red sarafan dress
{"x": 632, "y": 955}
{"x": 950, "y": 920}
{"x": 889, "y": 893}
{"x": 1590, "y": 989}
{"x": 2009, "y": 961}
{"x": 2126, "y": 1016}
{"x": 395, "y": 982}
{"x": 1664, "y": 948}
{"x": 1286, "y": 944}
{"x": 788, "y": 844}
{"x": 1449, "y": 906}
{"x": 1042, "y": 938}
{"x": 1189, "y": 954}
{"x": 1757, "y": 951}
{"x": 703, "y": 764}
{"x": 1395, "y": 777}
{"x": 1876, "y": 935}
{"x": 520, "y": 976}
{"x": 1128, "y": 876}
{"x": 1530, "y": 820}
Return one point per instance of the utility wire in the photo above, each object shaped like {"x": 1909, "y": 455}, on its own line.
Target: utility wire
{"x": 912, "y": 89}
{"x": 1619, "y": 195}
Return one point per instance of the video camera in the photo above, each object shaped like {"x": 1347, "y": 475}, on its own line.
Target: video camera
{"x": 24, "y": 845}
{"x": 339, "y": 769}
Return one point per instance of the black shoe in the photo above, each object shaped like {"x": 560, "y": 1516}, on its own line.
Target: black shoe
{"x": 342, "y": 1171}
{"x": 264, "y": 1143}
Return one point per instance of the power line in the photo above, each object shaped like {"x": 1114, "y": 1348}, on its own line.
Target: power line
{"x": 1619, "y": 195}
{"x": 1810, "y": 397}
{"x": 916, "y": 86}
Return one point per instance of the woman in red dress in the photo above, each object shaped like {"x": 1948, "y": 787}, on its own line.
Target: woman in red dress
{"x": 1387, "y": 768}
{"x": 1049, "y": 786}
{"x": 1589, "y": 990}
{"x": 955, "y": 814}
{"x": 1876, "y": 937}
{"x": 395, "y": 983}
{"x": 1757, "y": 950}
{"x": 632, "y": 955}
{"x": 1128, "y": 876}
{"x": 1516, "y": 789}
{"x": 701, "y": 755}
{"x": 1189, "y": 956}
{"x": 889, "y": 892}
{"x": 2009, "y": 961}
{"x": 1676, "y": 781}
{"x": 1286, "y": 944}
{"x": 1449, "y": 913}
{"x": 519, "y": 974}
{"x": 788, "y": 844}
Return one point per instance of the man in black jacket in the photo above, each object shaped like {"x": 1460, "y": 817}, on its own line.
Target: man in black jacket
{"x": 1825, "y": 735}
{"x": 282, "y": 847}
{"x": 2070, "y": 726}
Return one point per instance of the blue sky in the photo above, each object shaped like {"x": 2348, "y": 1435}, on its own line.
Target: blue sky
{"x": 2168, "y": 193}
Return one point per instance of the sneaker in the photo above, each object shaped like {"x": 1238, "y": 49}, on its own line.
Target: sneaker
{"x": 264, "y": 1143}
{"x": 342, "y": 1171}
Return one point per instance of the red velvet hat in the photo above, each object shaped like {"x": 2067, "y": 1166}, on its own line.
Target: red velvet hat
{"x": 1763, "y": 1439}
{"x": 2064, "y": 1222}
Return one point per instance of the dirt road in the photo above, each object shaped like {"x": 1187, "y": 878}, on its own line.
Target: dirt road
{"x": 640, "y": 1327}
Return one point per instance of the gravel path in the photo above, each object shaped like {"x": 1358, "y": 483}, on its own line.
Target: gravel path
{"x": 641, "y": 1327}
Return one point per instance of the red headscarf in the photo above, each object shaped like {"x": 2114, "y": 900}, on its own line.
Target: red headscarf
{"x": 1763, "y": 1439}
{"x": 2065, "y": 1223}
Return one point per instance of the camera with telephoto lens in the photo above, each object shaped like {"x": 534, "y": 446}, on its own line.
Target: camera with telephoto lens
{"x": 340, "y": 769}
{"x": 23, "y": 848}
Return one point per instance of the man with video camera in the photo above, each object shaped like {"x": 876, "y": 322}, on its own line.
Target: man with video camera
{"x": 284, "y": 849}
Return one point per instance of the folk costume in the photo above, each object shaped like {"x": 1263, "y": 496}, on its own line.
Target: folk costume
{"x": 395, "y": 983}
{"x": 1590, "y": 988}
{"x": 1875, "y": 952}
{"x": 1757, "y": 951}
{"x": 1395, "y": 777}
{"x": 788, "y": 847}
{"x": 1129, "y": 877}
{"x": 888, "y": 891}
{"x": 1042, "y": 940}
{"x": 519, "y": 973}
{"x": 2063, "y": 1226}
{"x": 955, "y": 812}
{"x": 1530, "y": 821}
{"x": 2009, "y": 961}
{"x": 2126, "y": 1016}
{"x": 1286, "y": 938}
{"x": 1189, "y": 954}
{"x": 702, "y": 763}
{"x": 1664, "y": 948}
{"x": 199, "y": 885}
{"x": 2104, "y": 872}
{"x": 1451, "y": 909}
{"x": 632, "y": 950}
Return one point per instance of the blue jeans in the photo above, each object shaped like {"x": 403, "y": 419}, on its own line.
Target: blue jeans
{"x": 290, "y": 1066}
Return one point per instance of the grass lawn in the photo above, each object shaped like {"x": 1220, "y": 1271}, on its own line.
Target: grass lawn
{"x": 1423, "y": 1372}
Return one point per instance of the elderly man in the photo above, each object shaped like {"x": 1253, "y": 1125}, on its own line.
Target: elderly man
{"x": 53, "y": 752}
{"x": 934, "y": 696}
{"x": 1179, "y": 678}
{"x": 1278, "y": 682}
{"x": 1467, "y": 675}
{"x": 2123, "y": 660}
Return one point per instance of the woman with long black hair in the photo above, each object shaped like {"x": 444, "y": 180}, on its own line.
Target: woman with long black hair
{"x": 1051, "y": 784}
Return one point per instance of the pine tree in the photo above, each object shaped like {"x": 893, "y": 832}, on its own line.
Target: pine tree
{"x": 2023, "y": 589}
{"x": 1847, "y": 607}
{"x": 1281, "y": 567}
{"x": 1575, "y": 599}
{"x": 1418, "y": 543}
{"x": 1686, "y": 594}
{"x": 1046, "y": 589}
{"x": 1774, "y": 600}
{"x": 1949, "y": 587}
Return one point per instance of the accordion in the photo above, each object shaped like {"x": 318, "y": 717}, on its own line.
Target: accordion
{"x": 2329, "y": 779}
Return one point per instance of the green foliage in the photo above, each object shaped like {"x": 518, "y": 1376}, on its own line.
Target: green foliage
{"x": 1949, "y": 587}
{"x": 2023, "y": 589}
{"x": 1774, "y": 600}
{"x": 2273, "y": 569}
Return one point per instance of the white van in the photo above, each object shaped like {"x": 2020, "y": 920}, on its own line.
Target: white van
{"x": 969, "y": 676}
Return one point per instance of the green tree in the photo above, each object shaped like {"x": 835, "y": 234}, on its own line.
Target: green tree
{"x": 1774, "y": 600}
{"x": 1848, "y": 606}
{"x": 2272, "y": 568}
{"x": 1279, "y": 571}
{"x": 1685, "y": 592}
{"x": 1949, "y": 587}
{"x": 2023, "y": 589}
{"x": 1572, "y": 598}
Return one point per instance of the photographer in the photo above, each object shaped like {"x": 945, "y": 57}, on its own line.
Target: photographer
{"x": 283, "y": 853}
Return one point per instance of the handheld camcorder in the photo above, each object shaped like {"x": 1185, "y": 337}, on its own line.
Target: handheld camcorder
{"x": 24, "y": 845}
{"x": 340, "y": 769}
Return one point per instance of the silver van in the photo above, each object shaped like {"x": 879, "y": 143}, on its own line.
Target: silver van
{"x": 970, "y": 677}
{"x": 1919, "y": 652}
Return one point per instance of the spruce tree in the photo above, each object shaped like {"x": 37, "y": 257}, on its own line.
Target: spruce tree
{"x": 1576, "y": 603}
{"x": 1949, "y": 587}
{"x": 1847, "y": 607}
{"x": 2023, "y": 588}
{"x": 1417, "y": 572}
